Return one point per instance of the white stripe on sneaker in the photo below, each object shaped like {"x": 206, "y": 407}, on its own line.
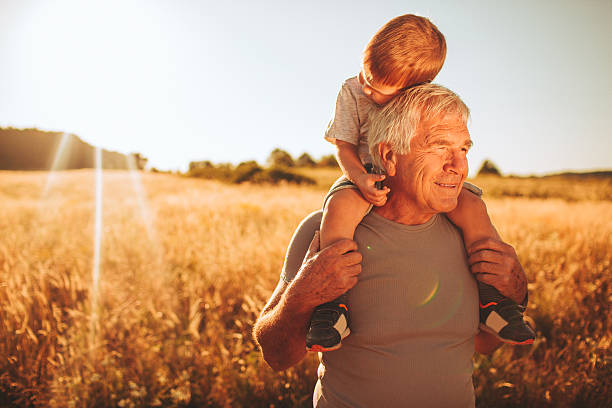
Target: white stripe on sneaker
{"x": 496, "y": 322}
{"x": 342, "y": 327}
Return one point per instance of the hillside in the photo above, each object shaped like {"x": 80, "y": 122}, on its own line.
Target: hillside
{"x": 33, "y": 149}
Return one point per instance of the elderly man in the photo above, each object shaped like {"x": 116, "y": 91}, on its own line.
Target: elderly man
{"x": 413, "y": 301}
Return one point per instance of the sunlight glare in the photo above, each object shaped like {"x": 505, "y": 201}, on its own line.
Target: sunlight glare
{"x": 59, "y": 155}
{"x": 140, "y": 193}
{"x": 97, "y": 242}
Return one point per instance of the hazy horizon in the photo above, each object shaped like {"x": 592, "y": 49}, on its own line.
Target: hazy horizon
{"x": 191, "y": 81}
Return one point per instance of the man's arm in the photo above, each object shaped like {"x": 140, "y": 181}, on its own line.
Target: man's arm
{"x": 486, "y": 343}
{"x": 281, "y": 328}
{"x": 496, "y": 263}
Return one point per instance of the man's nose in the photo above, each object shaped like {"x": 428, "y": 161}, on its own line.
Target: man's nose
{"x": 367, "y": 90}
{"x": 456, "y": 163}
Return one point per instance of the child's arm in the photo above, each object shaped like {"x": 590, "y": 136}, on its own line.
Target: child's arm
{"x": 353, "y": 169}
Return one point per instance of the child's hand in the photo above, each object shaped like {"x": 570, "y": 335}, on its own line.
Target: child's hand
{"x": 367, "y": 185}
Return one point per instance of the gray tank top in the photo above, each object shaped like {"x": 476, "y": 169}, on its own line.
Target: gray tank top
{"x": 413, "y": 319}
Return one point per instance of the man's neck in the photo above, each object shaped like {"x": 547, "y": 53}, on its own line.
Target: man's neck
{"x": 403, "y": 211}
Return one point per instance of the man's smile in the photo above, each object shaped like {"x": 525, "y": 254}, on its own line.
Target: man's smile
{"x": 446, "y": 185}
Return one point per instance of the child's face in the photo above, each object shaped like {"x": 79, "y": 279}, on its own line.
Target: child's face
{"x": 381, "y": 94}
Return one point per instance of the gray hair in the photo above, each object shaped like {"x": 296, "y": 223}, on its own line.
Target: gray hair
{"x": 396, "y": 123}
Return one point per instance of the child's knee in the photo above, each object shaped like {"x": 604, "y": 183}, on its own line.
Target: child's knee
{"x": 349, "y": 202}
{"x": 343, "y": 211}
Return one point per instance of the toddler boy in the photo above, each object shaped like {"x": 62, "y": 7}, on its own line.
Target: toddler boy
{"x": 406, "y": 52}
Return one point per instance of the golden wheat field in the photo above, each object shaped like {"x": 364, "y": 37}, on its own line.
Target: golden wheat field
{"x": 147, "y": 296}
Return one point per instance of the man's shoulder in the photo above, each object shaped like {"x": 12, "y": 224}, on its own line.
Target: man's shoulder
{"x": 310, "y": 223}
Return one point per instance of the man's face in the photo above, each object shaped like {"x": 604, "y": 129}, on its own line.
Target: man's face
{"x": 434, "y": 170}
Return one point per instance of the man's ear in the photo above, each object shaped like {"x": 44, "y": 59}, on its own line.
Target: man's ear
{"x": 388, "y": 157}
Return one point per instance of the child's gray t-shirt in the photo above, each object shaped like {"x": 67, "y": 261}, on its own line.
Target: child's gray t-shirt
{"x": 350, "y": 120}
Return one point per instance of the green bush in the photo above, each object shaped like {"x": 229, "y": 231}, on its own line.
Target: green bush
{"x": 247, "y": 172}
{"x": 305, "y": 160}
{"x": 223, "y": 172}
{"x": 279, "y": 157}
{"x": 328, "y": 161}
{"x": 276, "y": 175}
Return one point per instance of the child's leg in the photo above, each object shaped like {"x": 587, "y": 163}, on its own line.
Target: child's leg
{"x": 472, "y": 218}
{"x": 343, "y": 211}
{"x": 498, "y": 314}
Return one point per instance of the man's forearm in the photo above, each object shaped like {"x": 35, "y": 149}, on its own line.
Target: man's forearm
{"x": 282, "y": 326}
{"x": 486, "y": 343}
{"x": 496, "y": 263}
{"x": 281, "y": 330}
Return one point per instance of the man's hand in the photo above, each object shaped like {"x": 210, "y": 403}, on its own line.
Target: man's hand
{"x": 367, "y": 185}
{"x": 324, "y": 275}
{"x": 495, "y": 263}
{"x": 327, "y": 274}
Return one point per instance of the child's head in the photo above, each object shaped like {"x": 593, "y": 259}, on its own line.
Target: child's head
{"x": 406, "y": 51}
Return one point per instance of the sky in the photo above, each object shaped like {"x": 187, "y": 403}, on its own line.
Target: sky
{"x": 181, "y": 81}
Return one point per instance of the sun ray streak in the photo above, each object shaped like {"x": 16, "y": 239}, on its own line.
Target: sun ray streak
{"x": 157, "y": 258}
{"x": 145, "y": 212}
{"x": 97, "y": 243}
{"x": 59, "y": 155}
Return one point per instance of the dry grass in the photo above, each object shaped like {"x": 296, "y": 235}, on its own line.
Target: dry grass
{"x": 576, "y": 188}
{"x": 186, "y": 268}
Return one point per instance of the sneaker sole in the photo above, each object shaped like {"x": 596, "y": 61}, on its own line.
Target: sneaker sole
{"x": 507, "y": 341}
{"x": 320, "y": 349}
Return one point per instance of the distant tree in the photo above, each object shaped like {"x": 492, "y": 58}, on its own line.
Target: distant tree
{"x": 489, "y": 168}
{"x": 279, "y": 157}
{"x": 139, "y": 160}
{"x": 275, "y": 175}
{"x": 207, "y": 170}
{"x": 328, "y": 161}
{"x": 199, "y": 164}
{"x": 305, "y": 161}
{"x": 245, "y": 171}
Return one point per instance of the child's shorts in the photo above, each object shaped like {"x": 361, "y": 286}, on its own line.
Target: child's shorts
{"x": 340, "y": 184}
{"x": 343, "y": 182}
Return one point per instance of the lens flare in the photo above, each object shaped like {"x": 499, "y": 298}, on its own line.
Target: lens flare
{"x": 59, "y": 157}
{"x": 448, "y": 299}
{"x": 141, "y": 195}
{"x": 156, "y": 249}
{"x": 97, "y": 243}
{"x": 432, "y": 294}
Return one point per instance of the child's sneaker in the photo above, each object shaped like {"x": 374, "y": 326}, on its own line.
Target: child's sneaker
{"x": 328, "y": 326}
{"x": 504, "y": 319}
